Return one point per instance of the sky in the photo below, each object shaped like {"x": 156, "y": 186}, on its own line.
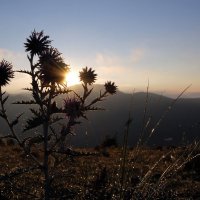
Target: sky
{"x": 129, "y": 42}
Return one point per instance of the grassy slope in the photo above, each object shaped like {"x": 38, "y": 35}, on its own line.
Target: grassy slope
{"x": 98, "y": 176}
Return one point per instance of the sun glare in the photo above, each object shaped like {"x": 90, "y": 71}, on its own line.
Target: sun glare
{"x": 72, "y": 78}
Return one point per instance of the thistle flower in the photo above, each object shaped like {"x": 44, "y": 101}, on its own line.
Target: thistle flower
{"x": 37, "y": 43}
{"x": 87, "y": 75}
{"x": 73, "y": 108}
{"x": 52, "y": 66}
{"x": 6, "y": 72}
{"x": 110, "y": 87}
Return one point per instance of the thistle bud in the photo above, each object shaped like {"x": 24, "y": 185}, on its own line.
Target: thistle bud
{"x": 6, "y": 72}
{"x": 88, "y": 76}
{"x": 110, "y": 87}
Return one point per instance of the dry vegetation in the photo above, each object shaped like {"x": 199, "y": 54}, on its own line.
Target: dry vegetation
{"x": 40, "y": 166}
{"x": 149, "y": 174}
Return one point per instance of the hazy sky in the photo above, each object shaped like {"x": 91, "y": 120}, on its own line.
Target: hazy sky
{"x": 126, "y": 41}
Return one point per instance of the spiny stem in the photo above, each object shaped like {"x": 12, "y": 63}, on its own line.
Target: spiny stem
{"x": 12, "y": 130}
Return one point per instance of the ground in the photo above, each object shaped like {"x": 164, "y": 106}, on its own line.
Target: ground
{"x": 99, "y": 173}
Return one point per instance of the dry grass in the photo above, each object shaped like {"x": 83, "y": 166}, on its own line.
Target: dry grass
{"x": 149, "y": 175}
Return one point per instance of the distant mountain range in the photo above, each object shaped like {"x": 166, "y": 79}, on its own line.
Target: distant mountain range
{"x": 175, "y": 126}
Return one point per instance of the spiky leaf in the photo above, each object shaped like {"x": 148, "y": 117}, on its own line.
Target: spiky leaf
{"x": 16, "y": 121}
{"x": 25, "y": 102}
{"x": 33, "y": 123}
{"x": 5, "y": 99}
{"x": 2, "y": 114}
{"x": 25, "y": 72}
{"x": 55, "y": 119}
{"x": 62, "y": 91}
{"x": 28, "y": 89}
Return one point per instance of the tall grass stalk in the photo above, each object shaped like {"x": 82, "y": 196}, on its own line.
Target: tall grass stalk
{"x": 145, "y": 121}
{"x": 145, "y": 124}
{"x": 178, "y": 163}
{"x": 149, "y": 172}
{"x": 143, "y": 140}
{"x": 124, "y": 152}
{"x": 176, "y": 166}
{"x": 168, "y": 109}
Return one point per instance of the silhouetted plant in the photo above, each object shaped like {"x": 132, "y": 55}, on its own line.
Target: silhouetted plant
{"x": 48, "y": 71}
{"x": 6, "y": 72}
{"x": 37, "y": 43}
{"x": 88, "y": 76}
{"x": 110, "y": 87}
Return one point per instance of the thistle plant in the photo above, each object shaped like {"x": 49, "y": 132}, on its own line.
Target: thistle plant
{"x": 6, "y": 74}
{"x": 48, "y": 71}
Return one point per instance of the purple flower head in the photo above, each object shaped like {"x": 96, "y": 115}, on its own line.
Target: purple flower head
{"x": 88, "y": 76}
{"x": 110, "y": 87}
{"x": 6, "y": 72}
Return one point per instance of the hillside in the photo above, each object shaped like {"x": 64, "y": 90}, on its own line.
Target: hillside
{"x": 96, "y": 176}
{"x": 180, "y": 125}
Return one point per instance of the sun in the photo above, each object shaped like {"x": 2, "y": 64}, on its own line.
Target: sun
{"x": 72, "y": 78}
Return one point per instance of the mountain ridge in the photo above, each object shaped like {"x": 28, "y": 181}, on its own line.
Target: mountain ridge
{"x": 180, "y": 123}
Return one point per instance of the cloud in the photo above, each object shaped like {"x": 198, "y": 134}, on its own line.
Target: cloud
{"x": 116, "y": 68}
{"x": 18, "y": 59}
{"x": 136, "y": 55}
{"x": 132, "y": 71}
{"x": 126, "y": 75}
{"x": 9, "y": 55}
{"x": 18, "y": 83}
{"x": 107, "y": 60}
